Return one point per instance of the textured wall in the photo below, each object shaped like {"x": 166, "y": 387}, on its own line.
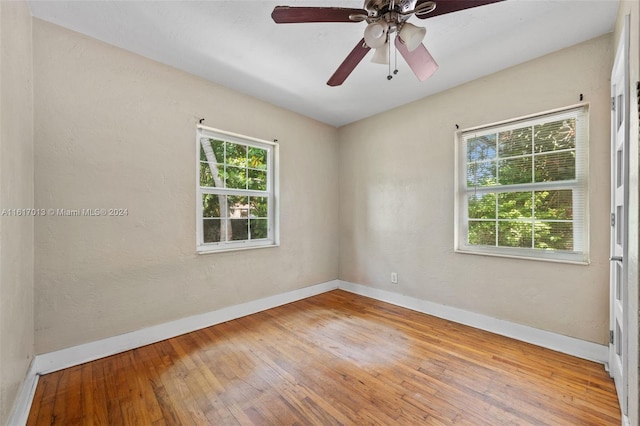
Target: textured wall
{"x": 397, "y": 199}
{"x": 16, "y": 191}
{"x": 116, "y": 130}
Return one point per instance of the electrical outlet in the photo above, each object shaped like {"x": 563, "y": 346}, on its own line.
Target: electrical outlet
{"x": 394, "y": 278}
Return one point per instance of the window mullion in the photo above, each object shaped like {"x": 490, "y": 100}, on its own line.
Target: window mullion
{"x": 533, "y": 181}
{"x": 524, "y": 187}
{"x": 533, "y": 219}
{"x": 497, "y": 159}
{"x": 234, "y": 191}
{"x": 497, "y": 222}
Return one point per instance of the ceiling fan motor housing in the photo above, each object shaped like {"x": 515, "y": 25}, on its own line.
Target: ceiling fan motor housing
{"x": 395, "y": 13}
{"x": 382, "y": 6}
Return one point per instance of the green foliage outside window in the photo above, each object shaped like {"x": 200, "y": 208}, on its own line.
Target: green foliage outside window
{"x": 238, "y": 166}
{"x": 540, "y": 219}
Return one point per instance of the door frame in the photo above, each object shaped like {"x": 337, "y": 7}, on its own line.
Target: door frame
{"x": 619, "y": 280}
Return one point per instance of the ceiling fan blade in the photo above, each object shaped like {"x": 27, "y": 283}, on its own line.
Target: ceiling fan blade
{"x": 349, "y": 64}
{"x": 448, "y": 6}
{"x": 293, "y": 15}
{"x": 420, "y": 60}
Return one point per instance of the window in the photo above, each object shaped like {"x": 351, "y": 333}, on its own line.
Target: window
{"x": 236, "y": 191}
{"x": 522, "y": 187}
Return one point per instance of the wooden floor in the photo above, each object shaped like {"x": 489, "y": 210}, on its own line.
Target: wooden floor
{"x": 336, "y": 358}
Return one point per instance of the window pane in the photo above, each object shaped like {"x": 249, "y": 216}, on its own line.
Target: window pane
{"x": 554, "y": 204}
{"x": 212, "y": 148}
{"x": 257, "y": 180}
{"x": 554, "y": 235}
{"x": 236, "y": 177}
{"x": 515, "y": 234}
{"x": 481, "y": 174}
{"x": 239, "y": 229}
{"x": 481, "y": 206}
{"x": 513, "y": 171}
{"x": 212, "y": 156}
{"x": 218, "y": 150}
{"x": 515, "y": 142}
{"x": 482, "y": 233}
{"x": 259, "y": 207}
{"x": 236, "y": 155}
{"x": 211, "y": 205}
{"x": 258, "y": 228}
{"x": 211, "y": 230}
{"x": 206, "y": 178}
{"x": 556, "y": 166}
{"x": 555, "y": 135}
{"x": 257, "y": 158}
{"x": 481, "y": 148}
{"x": 238, "y": 206}
{"x": 515, "y": 205}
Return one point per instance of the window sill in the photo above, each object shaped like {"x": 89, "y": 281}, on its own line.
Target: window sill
{"x": 523, "y": 256}
{"x": 209, "y": 250}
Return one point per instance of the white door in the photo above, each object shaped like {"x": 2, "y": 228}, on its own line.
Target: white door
{"x": 619, "y": 196}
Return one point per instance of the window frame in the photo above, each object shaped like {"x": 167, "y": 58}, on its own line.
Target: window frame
{"x": 579, "y": 186}
{"x": 271, "y": 192}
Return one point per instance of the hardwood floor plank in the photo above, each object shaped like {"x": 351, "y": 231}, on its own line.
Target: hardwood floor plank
{"x": 98, "y": 411}
{"x": 45, "y": 395}
{"x": 60, "y": 398}
{"x": 332, "y": 359}
{"x": 163, "y": 399}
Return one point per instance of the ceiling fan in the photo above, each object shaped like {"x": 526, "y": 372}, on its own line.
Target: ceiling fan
{"x": 384, "y": 18}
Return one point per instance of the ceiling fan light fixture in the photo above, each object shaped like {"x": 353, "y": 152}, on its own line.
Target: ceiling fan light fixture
{"x": 411, "y": 35}
{"x": 375, "y": 35}
{"x": 381, "y": 55}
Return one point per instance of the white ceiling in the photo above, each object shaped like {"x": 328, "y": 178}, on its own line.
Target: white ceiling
{"x": 236, "y": 44}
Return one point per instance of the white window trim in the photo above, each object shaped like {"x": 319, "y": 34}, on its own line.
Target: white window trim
{"x": 273, "y": 238}
{"x": 581, "y": 183}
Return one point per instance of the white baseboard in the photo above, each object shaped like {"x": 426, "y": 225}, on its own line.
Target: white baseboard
{"x": 557, "y": 342}
{"x": 22, "y": 405}
{"x": 69, "y": 357}
{"x": 75, "y": 355}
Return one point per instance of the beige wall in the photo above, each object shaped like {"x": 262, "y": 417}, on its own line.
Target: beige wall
{"x": 113, "y": 129}
{"x": 16, "y": 191}
{"x": 116, "y": 130}
{"x": 632, "y": 8}
{"x": 397, "y": 199}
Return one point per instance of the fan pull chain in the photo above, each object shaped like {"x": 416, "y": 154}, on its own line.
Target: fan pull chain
{"x": 389, "y": 76}
{"x": 395, "y": 60}
{"x": 395, "y": 55}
